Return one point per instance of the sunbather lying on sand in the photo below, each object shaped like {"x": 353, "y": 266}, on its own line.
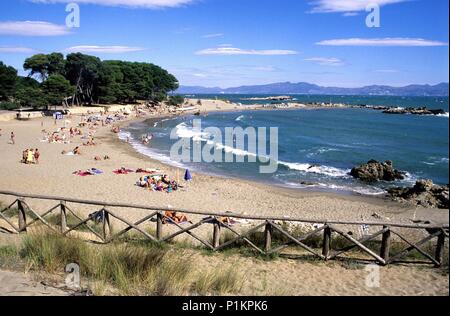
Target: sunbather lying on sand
{"x": 173, "y": 217}
{"x": 90, "y": 142}
{"x": 76, "y": 151}
{"x": 89, "y": 172}
{"x": 98, "y": 158}
{"x": 123, "y": 170}
{"x": 147, "y": 170}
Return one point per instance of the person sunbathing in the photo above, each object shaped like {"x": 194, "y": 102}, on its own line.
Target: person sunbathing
{"x": 123, "y": 170}
{"x": 90, "y": 142}
{"x": 160, "y": 186}
{"x": 166, "y": 180}
{"x": 143, "y": 183}
{"x": 227, "y": 221}
{"x": 173, "y": 217}
{"x": 77, "y": 151}
{"x": 147, "y": 170}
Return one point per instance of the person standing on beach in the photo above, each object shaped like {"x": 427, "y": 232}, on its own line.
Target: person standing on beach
{"x": 13, "y": 138}
{"x": 37, "y": 154}
{"x": 30, "y": 156}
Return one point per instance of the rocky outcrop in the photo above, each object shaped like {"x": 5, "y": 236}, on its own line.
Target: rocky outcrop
{"x": 377, "y": 171}
{"x": 414, "y": 111}
{"x": 424, "y": 193}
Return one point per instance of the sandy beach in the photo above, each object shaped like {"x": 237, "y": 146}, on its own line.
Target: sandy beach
{"x": 53, "y": 176}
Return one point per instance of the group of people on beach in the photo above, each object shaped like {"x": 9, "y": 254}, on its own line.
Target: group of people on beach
{"x": 158, "y": 183}
{"x": 31, "y": 156}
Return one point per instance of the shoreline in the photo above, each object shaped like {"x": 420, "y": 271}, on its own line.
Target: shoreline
{"x": 308, "y": 189}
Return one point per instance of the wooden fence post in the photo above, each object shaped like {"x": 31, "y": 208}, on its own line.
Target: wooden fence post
{"x": 440, "y": 249}
{"x": 63, "y": 217}
{"x": 22, "y": 216}
{"x": 216, "y": 234}
{"x": 326, "y": 242}
{"x": 107, "y": 229}
{"x": 386, "y": 245}
{"x": 159, "y": 226}
{"x": 268, "y": 237}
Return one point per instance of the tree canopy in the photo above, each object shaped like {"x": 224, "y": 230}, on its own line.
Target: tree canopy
{"x": 84, "y": 80}
{"x": 8, "y": 79}
{"x": 45, "y": 65}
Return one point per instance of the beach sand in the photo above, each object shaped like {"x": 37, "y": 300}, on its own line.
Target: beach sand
{"x": 53, "y": 176}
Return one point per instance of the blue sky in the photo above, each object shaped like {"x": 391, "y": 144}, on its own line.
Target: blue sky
{"x": 243, "y": 42}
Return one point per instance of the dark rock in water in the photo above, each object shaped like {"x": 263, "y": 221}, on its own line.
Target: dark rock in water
{"x": 307, "y": 183}
{"x": 424, "y": 193}
{"x": 438, "y": 112}
{"x": 377, "y": 171}
{"x": 414, "y": 111}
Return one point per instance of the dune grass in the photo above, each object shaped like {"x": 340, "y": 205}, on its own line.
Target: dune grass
{"x": 129, "y": 268}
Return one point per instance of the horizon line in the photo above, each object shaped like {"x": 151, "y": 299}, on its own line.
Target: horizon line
{"x": 321, "y": 86}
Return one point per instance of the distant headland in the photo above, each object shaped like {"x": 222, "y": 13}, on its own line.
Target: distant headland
{"x": 289, "y": 88}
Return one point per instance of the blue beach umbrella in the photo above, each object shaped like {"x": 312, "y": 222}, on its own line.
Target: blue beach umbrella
{"x": 187, "y": 176}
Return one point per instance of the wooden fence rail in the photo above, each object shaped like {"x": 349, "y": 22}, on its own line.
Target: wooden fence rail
{"x": 270, "y": 226}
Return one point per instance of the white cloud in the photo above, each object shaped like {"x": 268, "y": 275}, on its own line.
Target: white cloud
{"x": 200, "y": 75}
{"x": 17, "y": 50}
{"x": 232, "y": 51}
{"x": 350, "y": 14}
{"x": 213, "y": 35}
{"x": 264, "y": 68}
{"x": 149, "y": 4}
{"x": 346, "y": 6}
{"x": 323, "y": 61}
{"x": 103, "y": 49}
{"x": 32, "y": 28}
{"x": 386, "y": 71}
{"x": 401, "y": 42}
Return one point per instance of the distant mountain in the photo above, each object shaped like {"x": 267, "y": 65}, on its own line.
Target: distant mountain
{"x": 307, "y": 88}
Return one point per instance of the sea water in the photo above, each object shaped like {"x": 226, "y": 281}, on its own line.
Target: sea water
{"x": 318, "y": 147}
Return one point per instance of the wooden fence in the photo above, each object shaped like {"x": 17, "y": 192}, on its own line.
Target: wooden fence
{"x": 268, "y": 225}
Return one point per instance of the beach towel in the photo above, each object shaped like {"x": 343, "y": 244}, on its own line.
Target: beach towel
{"x": 96, "y": 171}
{"x": 123, "y": 171}
{"x": 82, "y": 173}
{"x": 89, "y": 172}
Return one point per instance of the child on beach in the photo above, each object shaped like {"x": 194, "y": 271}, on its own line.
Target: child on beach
{"x": 13, "y": 138}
